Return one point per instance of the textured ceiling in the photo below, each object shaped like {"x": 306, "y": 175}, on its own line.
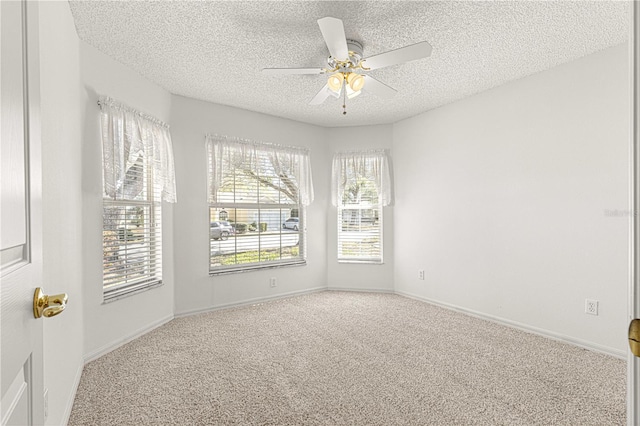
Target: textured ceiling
{"x": 214, "y": 50}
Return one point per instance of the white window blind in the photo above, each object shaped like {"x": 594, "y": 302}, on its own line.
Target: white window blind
{"x": 257, "y": 198}
{"x": 137, "y": 174}
{"x": 360, "y": 188}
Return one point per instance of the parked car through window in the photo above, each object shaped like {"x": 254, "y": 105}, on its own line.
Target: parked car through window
{"x": 291, "y": 223}
{"x": 220, "y": 230}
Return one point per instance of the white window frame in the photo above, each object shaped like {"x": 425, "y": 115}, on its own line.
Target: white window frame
{"x": 349, "y": 171}
{"x": 259, "y": 149}
{"x": 118, "y": 281}
{"x": 138, "y": 173}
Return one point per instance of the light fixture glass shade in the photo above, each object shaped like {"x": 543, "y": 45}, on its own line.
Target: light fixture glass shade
{"x": 356, "y": 81}
{"x": 350, "y": 93}
{"x": 335, "y": 81}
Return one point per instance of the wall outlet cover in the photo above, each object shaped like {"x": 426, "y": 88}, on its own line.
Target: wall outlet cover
{"x": 591, "y": 307}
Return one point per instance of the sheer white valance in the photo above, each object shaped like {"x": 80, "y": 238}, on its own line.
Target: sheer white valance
{"x": 349, "y": 168}
{"x": 290, "y": 163}
{"x": 128, "y": 137}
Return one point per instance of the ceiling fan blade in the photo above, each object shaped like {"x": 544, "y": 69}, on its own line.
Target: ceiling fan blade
{"x": 398, "y": 56}
{"x": 320, "y": 96}
{"x": 289, "y": 71}
{"x": 378, "y": 88}
{"x": 333, "y": 32}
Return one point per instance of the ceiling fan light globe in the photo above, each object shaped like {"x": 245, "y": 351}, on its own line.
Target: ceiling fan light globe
{"x": 334, "y": 93}
{"x": 335, "y": 81}
{"x": 356, "y": 81}
{"x": 351, "y": 94}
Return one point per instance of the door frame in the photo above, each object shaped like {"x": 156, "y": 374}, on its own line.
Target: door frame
{"x": 633, "y": 363}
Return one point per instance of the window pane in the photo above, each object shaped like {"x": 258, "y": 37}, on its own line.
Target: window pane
{"x": 279, "y": 241}
{"x": 135, "y": 186}
{"x": 359, "y": 220}
{"x": 255, "y": 236}
{"x": 359, "y": 234}
{"x": 131, "y": 244}
{"x": 288, "y": 190}
{"x": 226, "y": 192}
{"x": 245, "y": 186}
{"x": 270, "y": 188}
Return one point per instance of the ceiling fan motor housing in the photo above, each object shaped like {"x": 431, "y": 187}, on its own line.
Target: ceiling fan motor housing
{"x": 355, "y": 56}
{"x": 355, "y": 51}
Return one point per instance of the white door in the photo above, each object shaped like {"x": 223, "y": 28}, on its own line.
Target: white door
{"x": 21, "y": 372}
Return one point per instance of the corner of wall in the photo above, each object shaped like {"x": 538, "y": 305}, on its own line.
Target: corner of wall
{"x": 107, "y": 324}
{"x": 350, "y": 276}
{"x": 515, "y": 185}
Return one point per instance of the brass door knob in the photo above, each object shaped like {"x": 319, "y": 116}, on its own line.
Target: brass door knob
{"x": 48, "y": 306}
{"x": 634, "y": 337}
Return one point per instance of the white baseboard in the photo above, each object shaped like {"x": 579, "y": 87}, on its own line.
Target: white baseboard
{"x": 520, "y": 326}
{"x": 251, "y": 301}
{"x": 126, "y": 339}
{"x": 74, "y": 390}
{"x": 363, "y": 290}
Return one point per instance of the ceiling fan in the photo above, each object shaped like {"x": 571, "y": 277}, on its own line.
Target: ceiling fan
{"x": 347, "y": 67}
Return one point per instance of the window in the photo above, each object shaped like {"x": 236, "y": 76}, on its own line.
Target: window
{"x": 360, "y": 188}
{"x": 257, "y": 195}
{"x": 137, "y": 174}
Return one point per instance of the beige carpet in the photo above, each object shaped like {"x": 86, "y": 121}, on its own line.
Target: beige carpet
{"x": 336, "y": 358}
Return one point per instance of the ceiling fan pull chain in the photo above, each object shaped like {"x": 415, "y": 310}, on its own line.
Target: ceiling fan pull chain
{"x": 344, "y": 97}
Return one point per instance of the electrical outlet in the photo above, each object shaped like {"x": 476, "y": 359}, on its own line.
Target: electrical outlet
{"x": 421, "y": 274}
{"x": 272, "y": 282}
{"x": 591, "y": 307}
{"x": 46, "y": 403}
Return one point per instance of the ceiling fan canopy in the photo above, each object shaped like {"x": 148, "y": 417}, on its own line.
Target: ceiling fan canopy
{"x": 347, "y": 67}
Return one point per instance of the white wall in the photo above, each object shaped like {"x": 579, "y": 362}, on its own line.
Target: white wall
{"x": 501, "y": 198}
{"x": 352, "y": 276}
{"x": 109, "y": 324}
{"x": 62, "y": 204}
{"x": 195, "y": 289}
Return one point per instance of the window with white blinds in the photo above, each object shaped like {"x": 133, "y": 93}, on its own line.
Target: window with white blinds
{"x": 360, "y": 189}
{"x": 132, "y": 235}
{"x": 138, "y": 174}
{"x": 360, "y": 229}
{"x": 256, "y": 204}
